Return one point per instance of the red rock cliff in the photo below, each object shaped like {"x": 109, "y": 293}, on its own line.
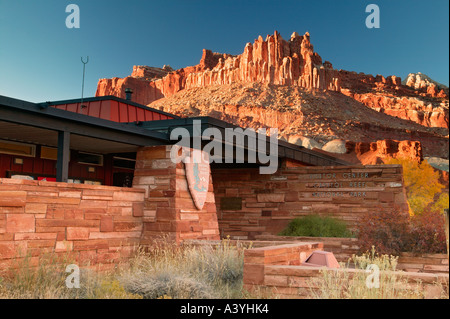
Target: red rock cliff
{"x": 271, "y": 61}
{"x": 290, "y": 63}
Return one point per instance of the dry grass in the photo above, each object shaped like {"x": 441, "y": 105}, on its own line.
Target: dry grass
{"x": 348, "y": 283}
{"x": 165, "y": 271}
{"x": 47, "y": 280}
{"x": 187, "y": 271}
{"x": 191, "y": 271}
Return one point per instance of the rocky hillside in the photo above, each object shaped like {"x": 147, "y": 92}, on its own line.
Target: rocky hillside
{"x": 311, "y": 119}
{"x": 285, "y": 84}
{"x": 420, "y": 81}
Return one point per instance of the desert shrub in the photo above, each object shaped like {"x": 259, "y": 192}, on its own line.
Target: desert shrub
{"x": 110, "y": 288}
{"x": 316, "y": 226}
{"x": 167, "y": 284}
{"x": 372, "y": 257}
{"x": 167, "y": 270}
{"x": 387, "y": 231}
{"x": 392, "y": 232}
{"x": 220, "y": 265}
{"x": 427, "y": 233}
{"x": 186, "y": 271}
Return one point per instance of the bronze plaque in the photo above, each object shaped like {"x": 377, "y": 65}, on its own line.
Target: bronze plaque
{"x": 231, "y": 203}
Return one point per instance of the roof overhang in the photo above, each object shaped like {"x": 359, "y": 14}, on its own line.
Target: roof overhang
{"x": 285, "y": 149}
{"x": 37, "y": 123}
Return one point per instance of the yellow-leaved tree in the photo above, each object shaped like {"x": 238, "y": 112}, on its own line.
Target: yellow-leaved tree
{"x": 422, "y": 186}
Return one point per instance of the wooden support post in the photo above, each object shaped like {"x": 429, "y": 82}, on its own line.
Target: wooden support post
{"x": 62, "y": 164}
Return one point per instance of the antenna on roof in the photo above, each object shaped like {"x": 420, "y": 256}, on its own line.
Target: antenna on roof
{"x": 82, "y": 85}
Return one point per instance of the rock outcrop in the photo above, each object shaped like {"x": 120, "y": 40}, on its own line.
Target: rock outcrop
{"x": 284, "y": 84}
{"x": 379, "y": 152}
{"x": 336, "y": 146}
{"x": 293, "y": 62}
{"x": 150, "y": 73}
{"x": 388, "y": 95}
{"x": 424, "y": 83}
{"x": 270, "y": 61}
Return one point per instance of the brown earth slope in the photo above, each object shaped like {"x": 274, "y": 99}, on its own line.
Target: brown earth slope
{"x": 301, "y": 115}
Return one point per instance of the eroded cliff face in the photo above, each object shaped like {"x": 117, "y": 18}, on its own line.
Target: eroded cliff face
{"x": 285, "y": 84}
{"x": 271, "y": 61}
{"x": 424, "y": 83}
{"x": 419, "y": 104}
{"x": 290, "y": 62}
{"x": 382, "y": 151}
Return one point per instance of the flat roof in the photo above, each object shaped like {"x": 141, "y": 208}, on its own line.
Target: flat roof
{"x": 285, "y": 149}
{"x": 42, "y": 118}
{"x": 39, "y": 116}
{"x": 106, "y": 98}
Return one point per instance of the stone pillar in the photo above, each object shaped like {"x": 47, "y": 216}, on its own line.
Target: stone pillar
{"x": 169, "y": 209}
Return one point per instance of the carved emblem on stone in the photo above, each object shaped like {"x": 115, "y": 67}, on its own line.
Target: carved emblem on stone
{"x": 197, "y": 175}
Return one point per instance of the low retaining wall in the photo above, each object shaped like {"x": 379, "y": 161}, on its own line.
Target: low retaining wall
{"x": 276, "y": 269}
{"x": 94, "y": 224}
{"x": 344, "y": 248}
{"x": 294, "y": 282}
{"x": 430, "y": 263}
{"x": 255, "y": 260}
{"x": 103, "y": 224}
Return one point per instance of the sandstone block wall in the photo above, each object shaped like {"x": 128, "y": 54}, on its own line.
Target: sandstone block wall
{"x": 169, "y": 208}
{"x": 250, "y": 204}
{"x": 255, "y": 260}
{"x": 344, "y": 248}
{"x": 102, "y": 224}
{"x": 94, "y": 224}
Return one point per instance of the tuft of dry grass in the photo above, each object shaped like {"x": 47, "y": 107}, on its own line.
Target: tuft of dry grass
{"x": 166, "y": 270}
{"x": 186, "y": 271}
{"x": 351, "y": 281}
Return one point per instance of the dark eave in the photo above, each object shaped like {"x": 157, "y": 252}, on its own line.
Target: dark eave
{"x": 285, "y": 149}
{"x": 141, "y": 133}
{"x": 38, "y": 115}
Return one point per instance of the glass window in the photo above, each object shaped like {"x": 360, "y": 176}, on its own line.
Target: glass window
{"x": 49, "y": 153}
{"x": 90, "y": 158}
{"x": 16, "y": 148}
{"x": 122, "y": 162}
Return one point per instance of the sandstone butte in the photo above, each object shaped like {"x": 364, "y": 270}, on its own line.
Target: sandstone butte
{"x": 285, "y": 84}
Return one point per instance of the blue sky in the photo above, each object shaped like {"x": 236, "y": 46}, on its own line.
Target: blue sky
{"x": 40, "y": 57}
